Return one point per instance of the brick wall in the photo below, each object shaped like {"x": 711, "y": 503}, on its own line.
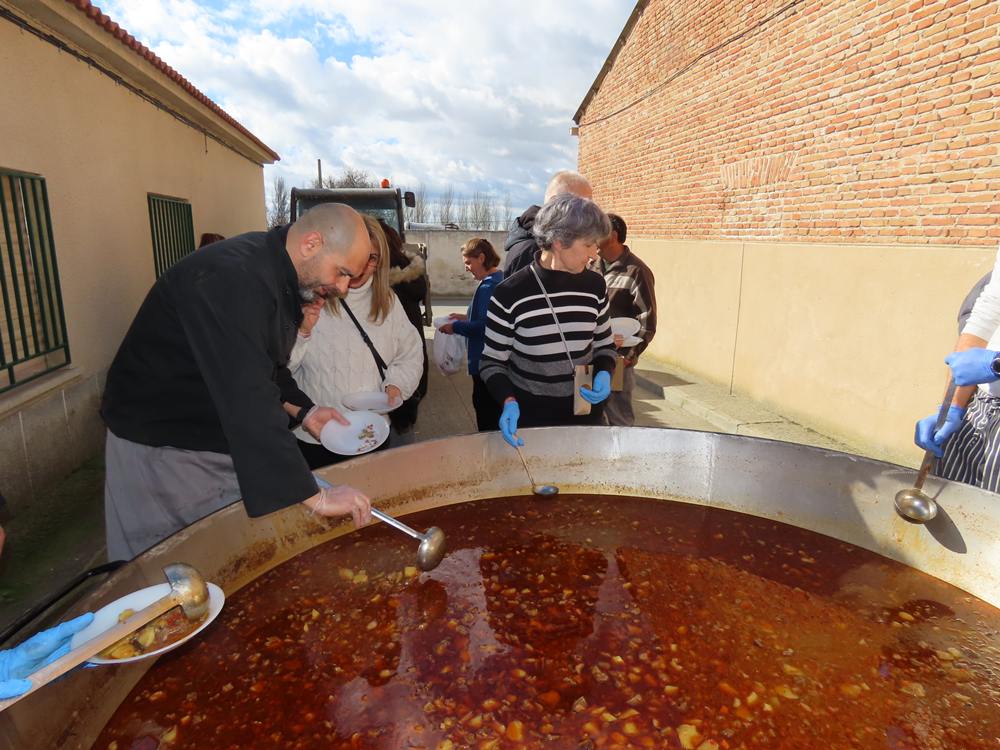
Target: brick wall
{"x": 848, "y": 121}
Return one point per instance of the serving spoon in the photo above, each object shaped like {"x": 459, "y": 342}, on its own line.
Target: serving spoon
{"x": 912, "y": 503}
{"x": 432, "y": 542}
{"x": 543, "y": 490}
{"x": 187, "y": 590}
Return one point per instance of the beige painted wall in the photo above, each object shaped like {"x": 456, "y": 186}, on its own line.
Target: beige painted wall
{"x": 847, "y": 339}
{"x": 101, "y": 149}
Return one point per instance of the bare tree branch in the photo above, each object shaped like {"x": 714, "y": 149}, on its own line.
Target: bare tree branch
{"x": 420, "y": 211}
{"x": 508, "y": 213}
{"x": 277, "y": 212}
{"x": 446, "y": 206}
{"x": 354, "y": 178}
{"x": 480, "y": 211}
{"x": 461, "y": 212}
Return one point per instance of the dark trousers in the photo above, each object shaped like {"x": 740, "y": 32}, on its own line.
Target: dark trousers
{"x": 545, "y": 411}
{"x": 487, "y": 410}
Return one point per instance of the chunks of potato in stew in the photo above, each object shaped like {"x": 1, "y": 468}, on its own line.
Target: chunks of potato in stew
{"x": 581, "y": 622}
{"x": 166, "y": 629}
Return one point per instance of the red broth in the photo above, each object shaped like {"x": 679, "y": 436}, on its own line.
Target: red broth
{"x": 582, "y": 622}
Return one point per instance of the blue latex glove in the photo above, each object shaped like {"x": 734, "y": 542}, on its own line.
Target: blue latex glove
{"x": 972, "y": 367}
{"x": 508, "y": 423}
{"x": 41, "y": 649}
{"x": 601, "y": 389}
{"x": 926, "y": 438}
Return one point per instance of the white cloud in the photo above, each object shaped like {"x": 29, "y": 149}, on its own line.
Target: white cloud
{"x": 472, "y": 94}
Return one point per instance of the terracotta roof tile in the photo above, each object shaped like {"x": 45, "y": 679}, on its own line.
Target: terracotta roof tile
{"x": 94, "y": 13}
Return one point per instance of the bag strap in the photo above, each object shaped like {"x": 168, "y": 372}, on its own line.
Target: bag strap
{"x": 379, "y": 362}
{"x": 572, "y": 364}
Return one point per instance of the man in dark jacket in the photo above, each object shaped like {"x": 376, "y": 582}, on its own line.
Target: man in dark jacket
{"x": 520, "y": 244}
{"x": 199, "y": 399}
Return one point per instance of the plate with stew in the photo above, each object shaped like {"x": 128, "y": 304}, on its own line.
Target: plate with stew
{"x": 365, "y": 431}
{"x": 166, "y": 632}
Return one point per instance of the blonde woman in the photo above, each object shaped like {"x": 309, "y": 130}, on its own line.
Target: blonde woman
{"x": 331, "y": 358}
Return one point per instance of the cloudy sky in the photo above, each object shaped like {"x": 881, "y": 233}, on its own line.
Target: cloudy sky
{"x": 473, "y": 94}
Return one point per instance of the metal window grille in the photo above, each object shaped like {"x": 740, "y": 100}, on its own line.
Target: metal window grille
{"x": 33, "y": 328}
{"x": 172, "y": 228}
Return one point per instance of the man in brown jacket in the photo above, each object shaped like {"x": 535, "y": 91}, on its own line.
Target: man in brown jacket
{"x": 630, "y": 295}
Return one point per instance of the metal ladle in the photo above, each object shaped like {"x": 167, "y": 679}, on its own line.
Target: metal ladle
{"x": 187, "y": 590}
{"x": 432, "y": 542}
{"x": 912, "y": 504}
{"x": 544, "y": 490}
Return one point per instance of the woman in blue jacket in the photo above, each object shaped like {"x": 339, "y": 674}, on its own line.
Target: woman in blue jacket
{"x": 482, "y": 261}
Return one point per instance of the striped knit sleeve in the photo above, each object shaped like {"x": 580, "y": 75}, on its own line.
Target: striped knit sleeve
{"x": 496, "y": 350}
{"x": 604, "y": 340}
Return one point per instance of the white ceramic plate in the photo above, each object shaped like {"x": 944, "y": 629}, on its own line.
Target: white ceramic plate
{"x": 624, "y": 326}
{"x": 376, "y": 401}
{"x": 107, "y": 617}
{"x": 349, "y": 440}
{"x": 631, "y": 341}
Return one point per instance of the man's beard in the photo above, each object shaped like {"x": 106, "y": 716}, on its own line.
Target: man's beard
{"x": 312, "y": 293}
{"x": 309, "y": 286}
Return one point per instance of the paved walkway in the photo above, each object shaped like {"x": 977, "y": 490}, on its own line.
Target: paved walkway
{"x": 46, "y": 550}
{"x": 664, "y": 397}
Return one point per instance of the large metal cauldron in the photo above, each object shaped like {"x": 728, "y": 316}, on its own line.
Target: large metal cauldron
{"x": 836, "y": 494}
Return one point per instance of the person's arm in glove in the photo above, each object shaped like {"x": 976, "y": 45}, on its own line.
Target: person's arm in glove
{"x": 601, "y": 389}
{"x": 43, "y": 648}
{"x": 339, "y": 500}
{"x": 508, "y": 422}
{"x": 925, "y": 436}
{"x": 973, "y": 366}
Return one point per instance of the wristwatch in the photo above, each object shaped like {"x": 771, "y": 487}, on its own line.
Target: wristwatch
{"x": 301, "y": 414}
{"x": 995, "y": 365}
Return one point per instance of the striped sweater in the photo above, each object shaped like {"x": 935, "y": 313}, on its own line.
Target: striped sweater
{"x": 523, "y": 354}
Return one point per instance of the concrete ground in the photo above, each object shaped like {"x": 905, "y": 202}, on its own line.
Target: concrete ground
{"x": 45, "y": 550}
{"x": 664, "y": 397}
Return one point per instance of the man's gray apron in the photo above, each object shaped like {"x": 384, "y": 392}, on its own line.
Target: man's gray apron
{"x": 151, "y": 493}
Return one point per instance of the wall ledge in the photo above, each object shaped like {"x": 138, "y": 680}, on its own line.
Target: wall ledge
{"x": 24, "y": 396}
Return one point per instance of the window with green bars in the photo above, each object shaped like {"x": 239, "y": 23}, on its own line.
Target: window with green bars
{"x": 33, "y": 329}
{"x": 172, "y": 228}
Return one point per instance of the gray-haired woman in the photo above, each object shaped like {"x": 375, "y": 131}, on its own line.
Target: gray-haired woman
{"x": 547, "y": 314}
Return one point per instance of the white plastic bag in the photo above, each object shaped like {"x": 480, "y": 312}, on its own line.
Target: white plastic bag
{"x": 449, "y": 349}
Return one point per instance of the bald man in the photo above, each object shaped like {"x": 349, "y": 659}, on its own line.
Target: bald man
{"x": 199, "y": 401}
{"x": 520, "y": 244}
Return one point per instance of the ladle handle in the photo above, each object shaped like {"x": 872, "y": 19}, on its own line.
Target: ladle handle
{"x": 524, "y": 463}
{"x": 94, "y": 646}
{"x": 385, "y": 518}
{"x": 929, "y": 457}
{"x": 925, "y": 468}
